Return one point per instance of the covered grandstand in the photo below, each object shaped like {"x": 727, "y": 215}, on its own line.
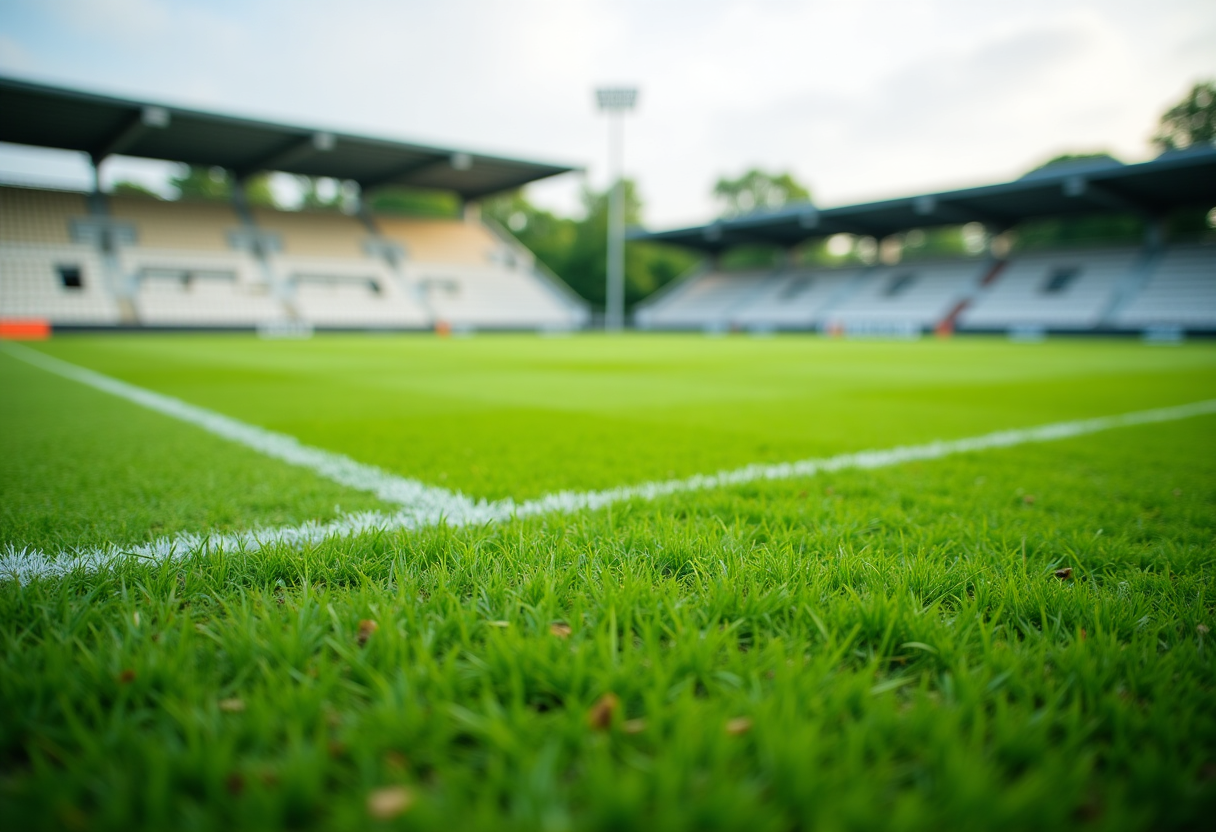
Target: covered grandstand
{"x": 1158, "y": 286}
{"x": 97, "y": 260}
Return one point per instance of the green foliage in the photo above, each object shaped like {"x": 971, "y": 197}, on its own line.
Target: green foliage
{"x": 946, "y": 241}
{"x": 1194, "y": 224}
{"x": 313, "y": 196}
{"x": 1068, "y": 158}
{"x": 128, "y": 188}
{"x": 858, "y": 650}
{"x": 201, "y": 182}
{"x": 1191, "y": 121}
{"x": 549, "y": 236}
{"x": 415, "y": 202}
{"x": 757, "y": 189}
{"x": 1053, "y": 232}
{"x": 751, "y": 256}
{"x": 577, "y": 249}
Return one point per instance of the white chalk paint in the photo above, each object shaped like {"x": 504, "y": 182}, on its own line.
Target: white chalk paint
{"x": 336, "y": 467}
{"x": 426, "y": 506}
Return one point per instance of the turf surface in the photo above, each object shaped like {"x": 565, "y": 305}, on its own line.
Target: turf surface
{"x": 513, "y": 416}
{"x": 888, "y": 648}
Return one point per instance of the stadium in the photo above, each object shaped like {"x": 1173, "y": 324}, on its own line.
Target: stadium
{"x": 892, "y": 513}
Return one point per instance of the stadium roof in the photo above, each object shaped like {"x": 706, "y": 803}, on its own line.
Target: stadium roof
{"x": 1176, "y": 179}
{"x": 101, "y": 126}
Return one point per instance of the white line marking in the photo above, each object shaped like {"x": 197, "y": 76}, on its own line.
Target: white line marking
{"x": 567, "y": 501}
{"x": 336, "y": 467}
{"x": 24, "y": 565}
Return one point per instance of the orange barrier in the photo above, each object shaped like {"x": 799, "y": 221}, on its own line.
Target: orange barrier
{"x": 25, "y": 329}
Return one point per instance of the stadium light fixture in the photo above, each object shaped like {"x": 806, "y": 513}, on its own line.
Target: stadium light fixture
{"x": 616, "y": 101}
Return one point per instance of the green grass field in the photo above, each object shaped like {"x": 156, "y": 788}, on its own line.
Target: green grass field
{"x": 867, "y": 648}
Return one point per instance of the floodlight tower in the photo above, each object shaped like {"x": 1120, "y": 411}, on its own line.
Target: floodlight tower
{"x": 616, "y": 101}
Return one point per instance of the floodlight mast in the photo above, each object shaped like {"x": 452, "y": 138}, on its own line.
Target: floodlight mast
{"x": 616, "y": 101}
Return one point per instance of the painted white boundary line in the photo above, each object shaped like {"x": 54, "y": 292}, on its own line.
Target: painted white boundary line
{"x": 24, "y": 565}
{"x": 336, "y": 467}
{"x": 567, "y": 501}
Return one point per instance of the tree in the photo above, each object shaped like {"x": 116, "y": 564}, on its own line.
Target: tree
{"x": 126, "y": 187}
{"x": 414, "y": 202}
{"x": 1069, "y": 158}
{"x": 757, "y": 189}
{"x": 1191, "y": 121}
{"x": 577, "y": 249}
{"x": 544, "y": 233}
{"x": 215, "y": 183}
{"x": 311, "y": 196}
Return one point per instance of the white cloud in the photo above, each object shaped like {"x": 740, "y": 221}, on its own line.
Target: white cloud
{"x": 862, "y": 98}
{"x": 14, "y": 57}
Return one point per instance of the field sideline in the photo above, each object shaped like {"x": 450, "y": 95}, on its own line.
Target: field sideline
{"x": 1010, "y": 637}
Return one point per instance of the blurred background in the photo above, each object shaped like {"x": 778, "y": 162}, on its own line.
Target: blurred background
{"x": 743, "y": 105}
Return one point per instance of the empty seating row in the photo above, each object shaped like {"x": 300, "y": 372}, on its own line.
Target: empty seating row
{"x": 147, "y": 262}
{"x": 1079, "y": 290}
{"x": 474, "y": 296}
{"x": 1053, "y": 291}
{"x": 1181, "y": 292}
{"x": 63, "y": 282}
{"x": 917, "y": 296}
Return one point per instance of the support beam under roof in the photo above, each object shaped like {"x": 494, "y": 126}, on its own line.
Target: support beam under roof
{"x": 296, "y": 150}
{"x": 147, "y": 118}
{"x": 1102, "y": 196}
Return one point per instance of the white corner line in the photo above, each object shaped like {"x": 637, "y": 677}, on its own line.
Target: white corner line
{"x": 332, "y": 466}
{"x": 435, "y": 506}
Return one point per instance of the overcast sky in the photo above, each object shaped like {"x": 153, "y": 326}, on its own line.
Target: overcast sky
{"x": 859, "y": 99}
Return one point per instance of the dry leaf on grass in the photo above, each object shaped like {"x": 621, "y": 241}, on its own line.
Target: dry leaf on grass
{"x": 600, "y": 715}
{"x": 560, "y": 629}
{"x": 232, "y": 705}
{"x": 389, "y": 802}
{"x": 1064, "y": 574}
{"x": 235, "y": 783}
{"x": 126, "y": 677}
{"x": 738, "y": 725}
{"x": 633, "y": 726}
{"x": 366, "y": 628}
{"x": 1028, "y": 499}
{"x": 1202, "y": 629}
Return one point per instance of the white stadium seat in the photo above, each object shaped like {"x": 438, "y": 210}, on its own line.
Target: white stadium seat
{"x": 147, "y": 262}
{"x": 1180, "y": 292}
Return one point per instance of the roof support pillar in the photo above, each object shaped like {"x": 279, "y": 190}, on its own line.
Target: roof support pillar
{"x": 293, "y": 152}
{"x": 240, "y": 202}
{"x": 1102, "y": 196}
{"x": 97, "y": 199}
{"x": 364, "y": 212}
{"x": 932, "y": 206}
{"x": 148, "y": 118}
{"x": 1154, "y": 233}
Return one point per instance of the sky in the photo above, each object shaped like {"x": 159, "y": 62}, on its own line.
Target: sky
{"x": 861, "y": 99}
